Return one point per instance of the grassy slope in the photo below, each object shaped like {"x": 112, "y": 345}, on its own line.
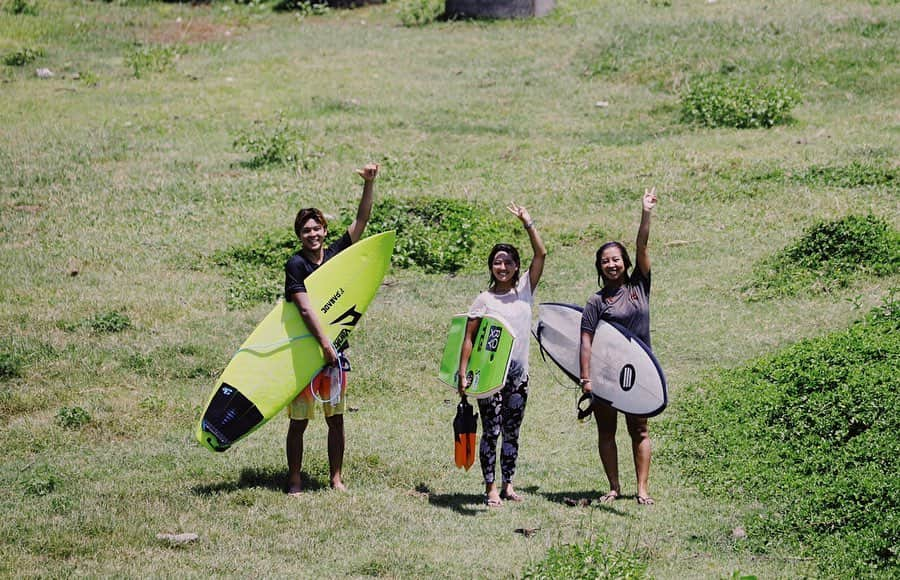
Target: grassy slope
{"x": 135, "y": 181}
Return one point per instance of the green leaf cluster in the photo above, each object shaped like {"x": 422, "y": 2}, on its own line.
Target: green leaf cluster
{"x": 22, "y": 56}
{"x": 437, "y": 235}
{"x": 275, "y": 144}
{"x": 715, "y": 102}
{"x": 109, "y": 322}
{"x": 150, "y": 59}
{"x": 72, "y": 418}
{"x": 586, "y": 561}
{"x": 810, "y": 436}
{"x": 420, "y": 12}
{"x": 830, "y": 254}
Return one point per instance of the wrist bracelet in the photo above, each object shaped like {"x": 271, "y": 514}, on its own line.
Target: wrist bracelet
{"x": 583, "y": 382}
{"x": 529, "y": 225}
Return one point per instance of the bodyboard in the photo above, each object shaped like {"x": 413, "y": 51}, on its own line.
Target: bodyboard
{"x": 281, "y": 356}
{"x": 624, "y": 372}
{"x": 490, "y": 358}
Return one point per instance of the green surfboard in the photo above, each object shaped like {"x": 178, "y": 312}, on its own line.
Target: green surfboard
{"x": 489, "y": 362}
{"x": 281, "y": 356}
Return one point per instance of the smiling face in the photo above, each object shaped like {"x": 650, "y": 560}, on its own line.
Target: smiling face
{"x": 312, "y": 235}
{"x": 612, "y": 264}
{"x": 504, "y": 268}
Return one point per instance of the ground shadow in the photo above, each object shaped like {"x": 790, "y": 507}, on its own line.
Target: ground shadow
{"x": 586, "y": 499}
{"x": 273, "y": 479}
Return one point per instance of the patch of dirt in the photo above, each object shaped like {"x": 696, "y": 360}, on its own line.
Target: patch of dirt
{"x": 189, "y": 31}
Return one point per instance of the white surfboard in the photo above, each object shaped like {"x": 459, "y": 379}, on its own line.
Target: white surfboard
{"x": 624, "y": 372}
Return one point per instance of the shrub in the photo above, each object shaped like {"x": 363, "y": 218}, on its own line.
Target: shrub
{"x": 809, "y": 436}
{"x": 10, "y": 365}
{"x": 590, "y": 560}
{"x": 715, "y": 102}
{"x": 72, "y": 418}
{"x": 22, "y": 56}
{"x": 420, "y": 12}
{"x": 149, "y": 59}
{"x": 854, "y": 175}
{"x": 275, "y": 144}
{"x": 109, "y": 322}
{"x": 21, "y": 7}
{"x": 828, "y": 255}
{"x": 302, "y": 7}
{"x": 437, "y": 235}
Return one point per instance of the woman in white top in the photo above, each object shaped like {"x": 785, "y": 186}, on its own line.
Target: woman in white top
{"x": 509, "y": 296}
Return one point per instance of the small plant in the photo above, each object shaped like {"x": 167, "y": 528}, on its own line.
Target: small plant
{"x": 420, "y": 12}
{"x": 72, "y": 418}
{"x": 303, "y": 8}
{"x": 275, "y": 144}
{"x": 22, "y": 56}
{"x": 589, "y": 561}
{"x": 716, "y": 102}
{"x": 829, "y": 255}
{"x": 10, "y": 365}
{"x": 150, "y": 59}
{"x": 109, "y": 322}
{"x": 41, "y": 484}
{"x": 88, "y": 78}
{"x": 23, "y": 7}
{"x": 855, "y": 174}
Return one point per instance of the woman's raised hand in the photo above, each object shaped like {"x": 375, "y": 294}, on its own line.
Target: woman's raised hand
{"x": 520, "y": 212}
{"x": 369, "y": 172}
{"x": 650, "y": 199}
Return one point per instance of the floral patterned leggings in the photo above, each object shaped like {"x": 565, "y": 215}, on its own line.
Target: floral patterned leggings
{"x": 502, "y": 412}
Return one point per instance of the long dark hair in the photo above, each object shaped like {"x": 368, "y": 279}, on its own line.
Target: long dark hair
{"x": 307, "y": 213}
{"x": 513, "y": 253}
{"x": 601, "y": 281}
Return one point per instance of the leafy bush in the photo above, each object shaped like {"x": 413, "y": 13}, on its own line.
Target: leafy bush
{"x": 437, "y": 235}
{"x": 828, "y": 255}
{"x": 10, "y": 365}
{"x": 588, "y": 561}
{"x": 72, "y": 418}
{"x": 278, "y": 144}
{"x": 109, "y": 322}
{"x": 420, "y": 12}
{"x": 716, "y": 102}
{"x": 41, "y": 483}
{"x": 810, "y": 436}
{"x": 302, "y": 7}
{"x": 20, "y": 7}
{"x": 22, "y": 56}
{"x": 854, "y": 175}
{"x": 149, "y": 59}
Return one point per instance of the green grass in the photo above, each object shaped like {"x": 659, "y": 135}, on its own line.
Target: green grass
{"x": 119, "y": 190}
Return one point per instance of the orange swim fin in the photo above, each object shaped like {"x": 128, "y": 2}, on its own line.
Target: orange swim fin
{"x": 464, "y": 427}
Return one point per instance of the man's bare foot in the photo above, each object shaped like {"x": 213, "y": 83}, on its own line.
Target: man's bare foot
{"x": 338, "y": 485}
{"x": 609, "y": 497}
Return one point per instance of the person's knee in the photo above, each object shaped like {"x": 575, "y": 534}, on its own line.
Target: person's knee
{"x": 335, "y": 422}
{"x": 297, "y": 427}
{"x": 638, "y": 431}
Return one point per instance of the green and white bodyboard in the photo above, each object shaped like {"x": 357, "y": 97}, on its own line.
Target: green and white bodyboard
{"x": 490, "y": 358}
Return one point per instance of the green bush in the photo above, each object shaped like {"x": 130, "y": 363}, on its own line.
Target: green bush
{"x": 22, "y": 56}
{"x": 109, "y": 322}
{"x": 10, "y": 365}
{"x": 420, "y": 12}
{"x": 588, "y": 561}
{"x": 437, "y": 235}
{"x": 72, "y": 418}
{"x": 714, "y": 102}
{"x": 809, "y": 435}
{"x": 830, "y": 254}
{"x": 150, "y": 59}
{"x": 302, "y": 7}
{"x": 854, "y": 175}
{"x": 20, "y": 7}
{"x": 276, "y": 143}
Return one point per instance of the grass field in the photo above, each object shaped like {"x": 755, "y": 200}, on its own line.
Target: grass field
{"x": 121, "y": 183}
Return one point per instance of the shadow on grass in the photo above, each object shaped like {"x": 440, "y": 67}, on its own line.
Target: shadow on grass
{"x": 273, "y": 479}
{"x": 585, "y": 499}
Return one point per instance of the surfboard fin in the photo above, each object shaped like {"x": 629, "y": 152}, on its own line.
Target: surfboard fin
{"x": 465, "y": 427}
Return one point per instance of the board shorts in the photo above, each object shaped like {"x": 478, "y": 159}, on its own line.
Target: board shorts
{"x": 303, "y": 407}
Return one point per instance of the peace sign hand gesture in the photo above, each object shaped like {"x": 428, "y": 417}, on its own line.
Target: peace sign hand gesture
{"x": 650, "y": 199}
{"x": 520, "y": 212}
